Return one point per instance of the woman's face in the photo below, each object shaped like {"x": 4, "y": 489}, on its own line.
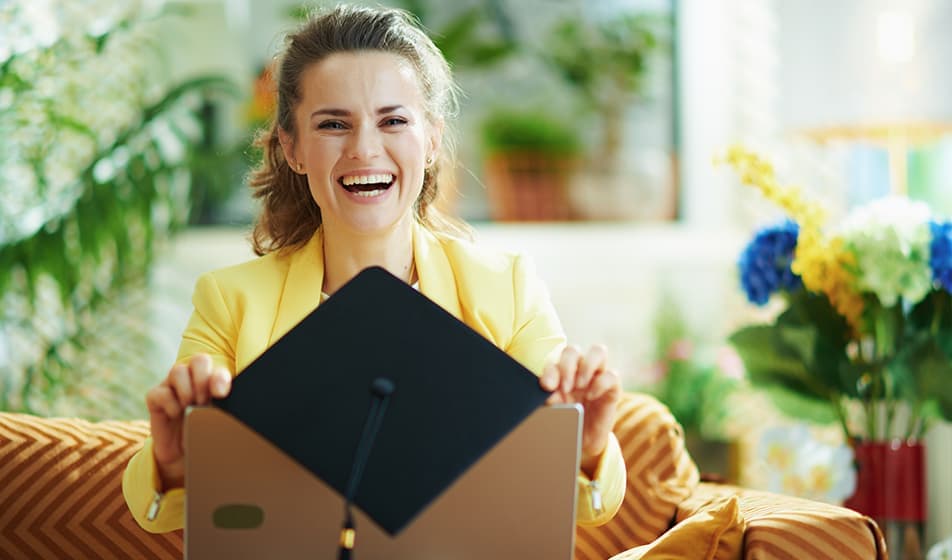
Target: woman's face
{"x": 363, "y": 139}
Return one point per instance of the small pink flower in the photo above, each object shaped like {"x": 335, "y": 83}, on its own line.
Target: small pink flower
{"x": 657, "y": 372}
{"x": 730, "y": 362}
{"x": 681, "y": 350}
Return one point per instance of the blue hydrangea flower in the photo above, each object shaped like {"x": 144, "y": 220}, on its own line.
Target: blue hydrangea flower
{"x": 765, "y": 263}
{"x": 940, "y": 253}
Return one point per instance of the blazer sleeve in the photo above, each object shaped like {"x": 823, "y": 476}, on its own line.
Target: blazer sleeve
{"x": 154, "y": 510}
{"x": 211, "y": 330}
{"x": 537, "y": 333}
{"x": 538, "y": 339}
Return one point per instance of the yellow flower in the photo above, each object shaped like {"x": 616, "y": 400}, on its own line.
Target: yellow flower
{"x": 820, "y": 480}
{"x": 822, "y": 263}
{"x": 779, "y": 456}
{"x": 756, "y": 172}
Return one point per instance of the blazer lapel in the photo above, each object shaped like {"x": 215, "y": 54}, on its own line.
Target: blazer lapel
{"x": 302, "y": 287}
{"x": 437, "y": 280}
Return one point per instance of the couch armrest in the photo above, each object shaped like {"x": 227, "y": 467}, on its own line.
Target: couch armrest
{"x": 660, "y": 475}
{"x": 60, "y": 491}
{"x": 787, "y": 528}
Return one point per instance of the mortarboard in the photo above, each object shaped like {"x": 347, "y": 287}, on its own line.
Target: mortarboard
{"x": 444, "y": 396}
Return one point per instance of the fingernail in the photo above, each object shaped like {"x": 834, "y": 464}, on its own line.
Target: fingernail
{"x": 220, "y": 386}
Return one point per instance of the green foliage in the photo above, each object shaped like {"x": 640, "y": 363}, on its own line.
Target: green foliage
{"x": 607, "y": 61}
{"x": 694, "y": 390}
{"x": 473, "y": 37}
{"x": 510, "y": 129}
{"x": 606, "y": 65}
{"x": 804, "y": 350}
{"x": 696, "y": 395}
{"x": 121, "y": 191}
{"x": 103, "y": 244}
{"x": 808, "y": 359}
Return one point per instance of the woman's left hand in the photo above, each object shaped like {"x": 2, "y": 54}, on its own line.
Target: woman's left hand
{"x": 587, "y": 380}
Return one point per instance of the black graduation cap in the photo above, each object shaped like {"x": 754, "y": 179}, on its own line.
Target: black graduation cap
{"x": 380, "y": 363}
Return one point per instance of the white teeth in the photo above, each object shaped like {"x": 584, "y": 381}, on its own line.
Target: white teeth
{"x": 366, "y": 179}
{"x": 370, "y": 194}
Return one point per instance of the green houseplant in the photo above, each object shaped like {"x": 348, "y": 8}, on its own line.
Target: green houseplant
{"x": 529, "y": 159}
{"x": 606, "y": 63}
{"x": 865, "y": 335}
{"x": 697, "y": 383}
{"x": 95, "y": 169}
{"x": 609, "y": 62}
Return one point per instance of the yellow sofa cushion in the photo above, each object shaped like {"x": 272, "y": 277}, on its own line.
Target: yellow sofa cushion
{"x": 782, "y": 527}
{"x": 715, "y": 532}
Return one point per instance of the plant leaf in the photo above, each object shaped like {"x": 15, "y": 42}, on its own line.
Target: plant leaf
{"x": 769, "y": 361}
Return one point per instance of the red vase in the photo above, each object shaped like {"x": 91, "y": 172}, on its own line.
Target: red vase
{"x": 890, "y": 488}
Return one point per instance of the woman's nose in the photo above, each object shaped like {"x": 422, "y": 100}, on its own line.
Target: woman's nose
{"x": 364, "y": 143}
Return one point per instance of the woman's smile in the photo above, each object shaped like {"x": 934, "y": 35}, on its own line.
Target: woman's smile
{"x": 367, "y": 186}
{"x": 363, "y": 142}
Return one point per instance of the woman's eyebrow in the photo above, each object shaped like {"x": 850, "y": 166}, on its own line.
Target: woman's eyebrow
{"x": 332, "y": 112}
{"x": 345, "y": 113}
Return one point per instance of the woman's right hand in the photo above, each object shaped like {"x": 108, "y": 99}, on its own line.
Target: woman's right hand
{"x": 193, "y": 383}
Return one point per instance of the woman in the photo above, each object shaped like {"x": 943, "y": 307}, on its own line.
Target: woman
{"x": 350, "y": 170}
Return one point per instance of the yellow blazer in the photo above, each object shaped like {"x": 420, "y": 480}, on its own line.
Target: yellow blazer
{"x": 242, "y": 310}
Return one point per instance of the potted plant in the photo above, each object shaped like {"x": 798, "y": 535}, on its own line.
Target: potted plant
{"x": 865, "y": 337}
{"x": 607, "y": 64}
{"x": 529, "y": 157}
{"x": 698, "y": 382}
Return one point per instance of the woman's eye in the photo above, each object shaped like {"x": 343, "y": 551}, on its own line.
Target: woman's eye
{"x": 395, "y": 121}
{"x": 331, "y": 125}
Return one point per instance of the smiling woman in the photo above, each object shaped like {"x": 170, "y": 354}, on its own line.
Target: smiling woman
{"x": 363, "y": 146}
{"x": 349, "y": 173}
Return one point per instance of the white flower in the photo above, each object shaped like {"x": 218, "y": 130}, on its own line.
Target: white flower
{"x": 799, "y": 465}
{"x": 890, "y": 239}
{"x": 941, "y": 550}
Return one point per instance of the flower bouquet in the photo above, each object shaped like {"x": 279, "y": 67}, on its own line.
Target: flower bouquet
{"x": 865, "y": 336}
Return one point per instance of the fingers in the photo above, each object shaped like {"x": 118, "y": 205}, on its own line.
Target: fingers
{"x": 179, "y": 381}
{"x": 604, "y": 383}
{"x": 200, "y": 368}
{"x": 568, "y": 367}
{"x": 219, "y": 383}
{"x": 592, "y": 362}
{"x": 161, "y": 400}
{"x": 550, "y": 377}
{"x": 188, "y": 384}
{"x": 573, "y": 377}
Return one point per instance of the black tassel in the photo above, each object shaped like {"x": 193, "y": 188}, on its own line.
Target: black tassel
{"x": 381, "y": 390}
{"x": 347, "y": 535}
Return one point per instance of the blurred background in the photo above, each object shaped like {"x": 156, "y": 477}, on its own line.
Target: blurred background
{"x": 587, "y": 138}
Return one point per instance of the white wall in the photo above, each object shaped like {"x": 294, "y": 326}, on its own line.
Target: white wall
{"x": 836, "y": 64}
{"x": 830, "y": 70}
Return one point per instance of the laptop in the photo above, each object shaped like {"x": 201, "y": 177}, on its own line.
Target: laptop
{"x": 248, "y": 499}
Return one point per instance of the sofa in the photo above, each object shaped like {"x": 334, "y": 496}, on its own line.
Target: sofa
{"x": 60, "y": 497}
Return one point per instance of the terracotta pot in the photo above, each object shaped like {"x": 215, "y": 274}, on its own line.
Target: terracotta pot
{"x": 529, "y": 186}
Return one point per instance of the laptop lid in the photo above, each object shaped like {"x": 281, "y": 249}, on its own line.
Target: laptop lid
{"x": 248, "y": 499}
{"x": 365, "y": 387}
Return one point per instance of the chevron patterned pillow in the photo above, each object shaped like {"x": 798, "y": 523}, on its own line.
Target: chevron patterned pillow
{"x": 60, "y": 491}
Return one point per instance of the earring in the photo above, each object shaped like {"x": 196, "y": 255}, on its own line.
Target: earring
{"x": 429, "y": 161}
{"x": 300, "y": 167}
